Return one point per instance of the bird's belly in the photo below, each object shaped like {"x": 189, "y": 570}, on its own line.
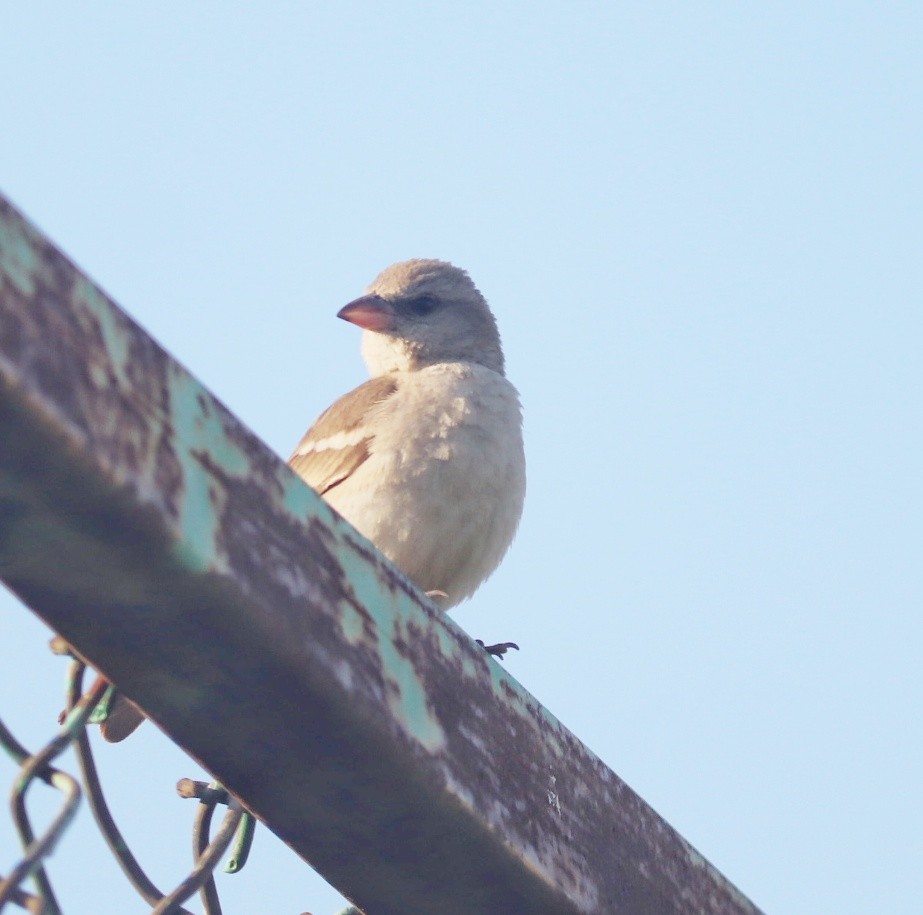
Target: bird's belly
{"x": 447, "y": 525}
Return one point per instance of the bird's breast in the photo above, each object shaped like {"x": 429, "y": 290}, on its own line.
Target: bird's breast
{"x": 442, "y": 491}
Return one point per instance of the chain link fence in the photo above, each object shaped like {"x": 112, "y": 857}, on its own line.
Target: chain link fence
{"x": 82, "y": 708}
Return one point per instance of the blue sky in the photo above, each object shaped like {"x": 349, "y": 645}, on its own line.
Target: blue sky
{"x": 699, "y": 227}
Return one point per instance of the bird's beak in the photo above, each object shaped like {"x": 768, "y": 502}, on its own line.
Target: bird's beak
{"x": 371, "y": 312}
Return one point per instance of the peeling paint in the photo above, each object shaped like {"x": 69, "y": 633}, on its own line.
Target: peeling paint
{"x": 18, "y": 261}
{"x": 553, "y": 799}
{"x": 114, "y": 338}
{"x": 198, "y": 434}
{"x": 407, "y": 696}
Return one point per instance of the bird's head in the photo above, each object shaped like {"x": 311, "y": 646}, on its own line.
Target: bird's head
{"x": 423, "y": 312}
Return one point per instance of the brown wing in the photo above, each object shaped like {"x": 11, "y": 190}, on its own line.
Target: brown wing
{"x": 339, "y": 441}
{"x": 124, "y": 717}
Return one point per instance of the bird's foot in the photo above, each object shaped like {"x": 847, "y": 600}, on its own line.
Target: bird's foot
{"x": 498, "y": 650}
{"x": 436, "y": 593}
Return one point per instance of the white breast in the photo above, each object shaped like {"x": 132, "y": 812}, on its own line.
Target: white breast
{"x": 442, "y": 491}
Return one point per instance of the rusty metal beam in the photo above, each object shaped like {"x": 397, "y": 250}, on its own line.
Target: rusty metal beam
{"x": 182, "y": 558}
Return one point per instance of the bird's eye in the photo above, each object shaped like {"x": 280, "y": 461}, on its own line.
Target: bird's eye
{"x": 422, "y": 305}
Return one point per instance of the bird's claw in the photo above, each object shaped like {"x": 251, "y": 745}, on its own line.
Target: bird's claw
{"x": 498, "y": 650}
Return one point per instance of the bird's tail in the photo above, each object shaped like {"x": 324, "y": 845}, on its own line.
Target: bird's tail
{"x": 124, "y": 718}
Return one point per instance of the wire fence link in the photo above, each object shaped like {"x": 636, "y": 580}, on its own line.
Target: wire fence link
{"x": 81, "y": 708}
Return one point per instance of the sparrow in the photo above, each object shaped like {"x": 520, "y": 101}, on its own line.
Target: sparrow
{"x": 425, "y": 459}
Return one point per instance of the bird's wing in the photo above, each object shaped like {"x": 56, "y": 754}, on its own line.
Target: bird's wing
{"x": 340, "y": 440}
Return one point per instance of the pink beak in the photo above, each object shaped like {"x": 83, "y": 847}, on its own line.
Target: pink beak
{"x": 371, "y": 312}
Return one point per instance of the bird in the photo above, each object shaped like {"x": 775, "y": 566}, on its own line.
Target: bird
{"x": 425, "y": 458}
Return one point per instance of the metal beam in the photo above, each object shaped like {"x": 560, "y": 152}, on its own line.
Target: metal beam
{"x": 185, "y": 561}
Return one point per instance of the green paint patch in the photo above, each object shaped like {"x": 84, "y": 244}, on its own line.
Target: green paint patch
{"x": 113, "y": 331}
{"x": 300, "y": 500}
{"x": 199, "y": 434}
{"x": 407, "y": 698}
{"x": 351, "y": 623}
{"x": 18, "y": 260}
{"x": 448, "y": 648}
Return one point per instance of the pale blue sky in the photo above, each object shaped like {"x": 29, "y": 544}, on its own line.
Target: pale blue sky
{"x": 699, "y": 227}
